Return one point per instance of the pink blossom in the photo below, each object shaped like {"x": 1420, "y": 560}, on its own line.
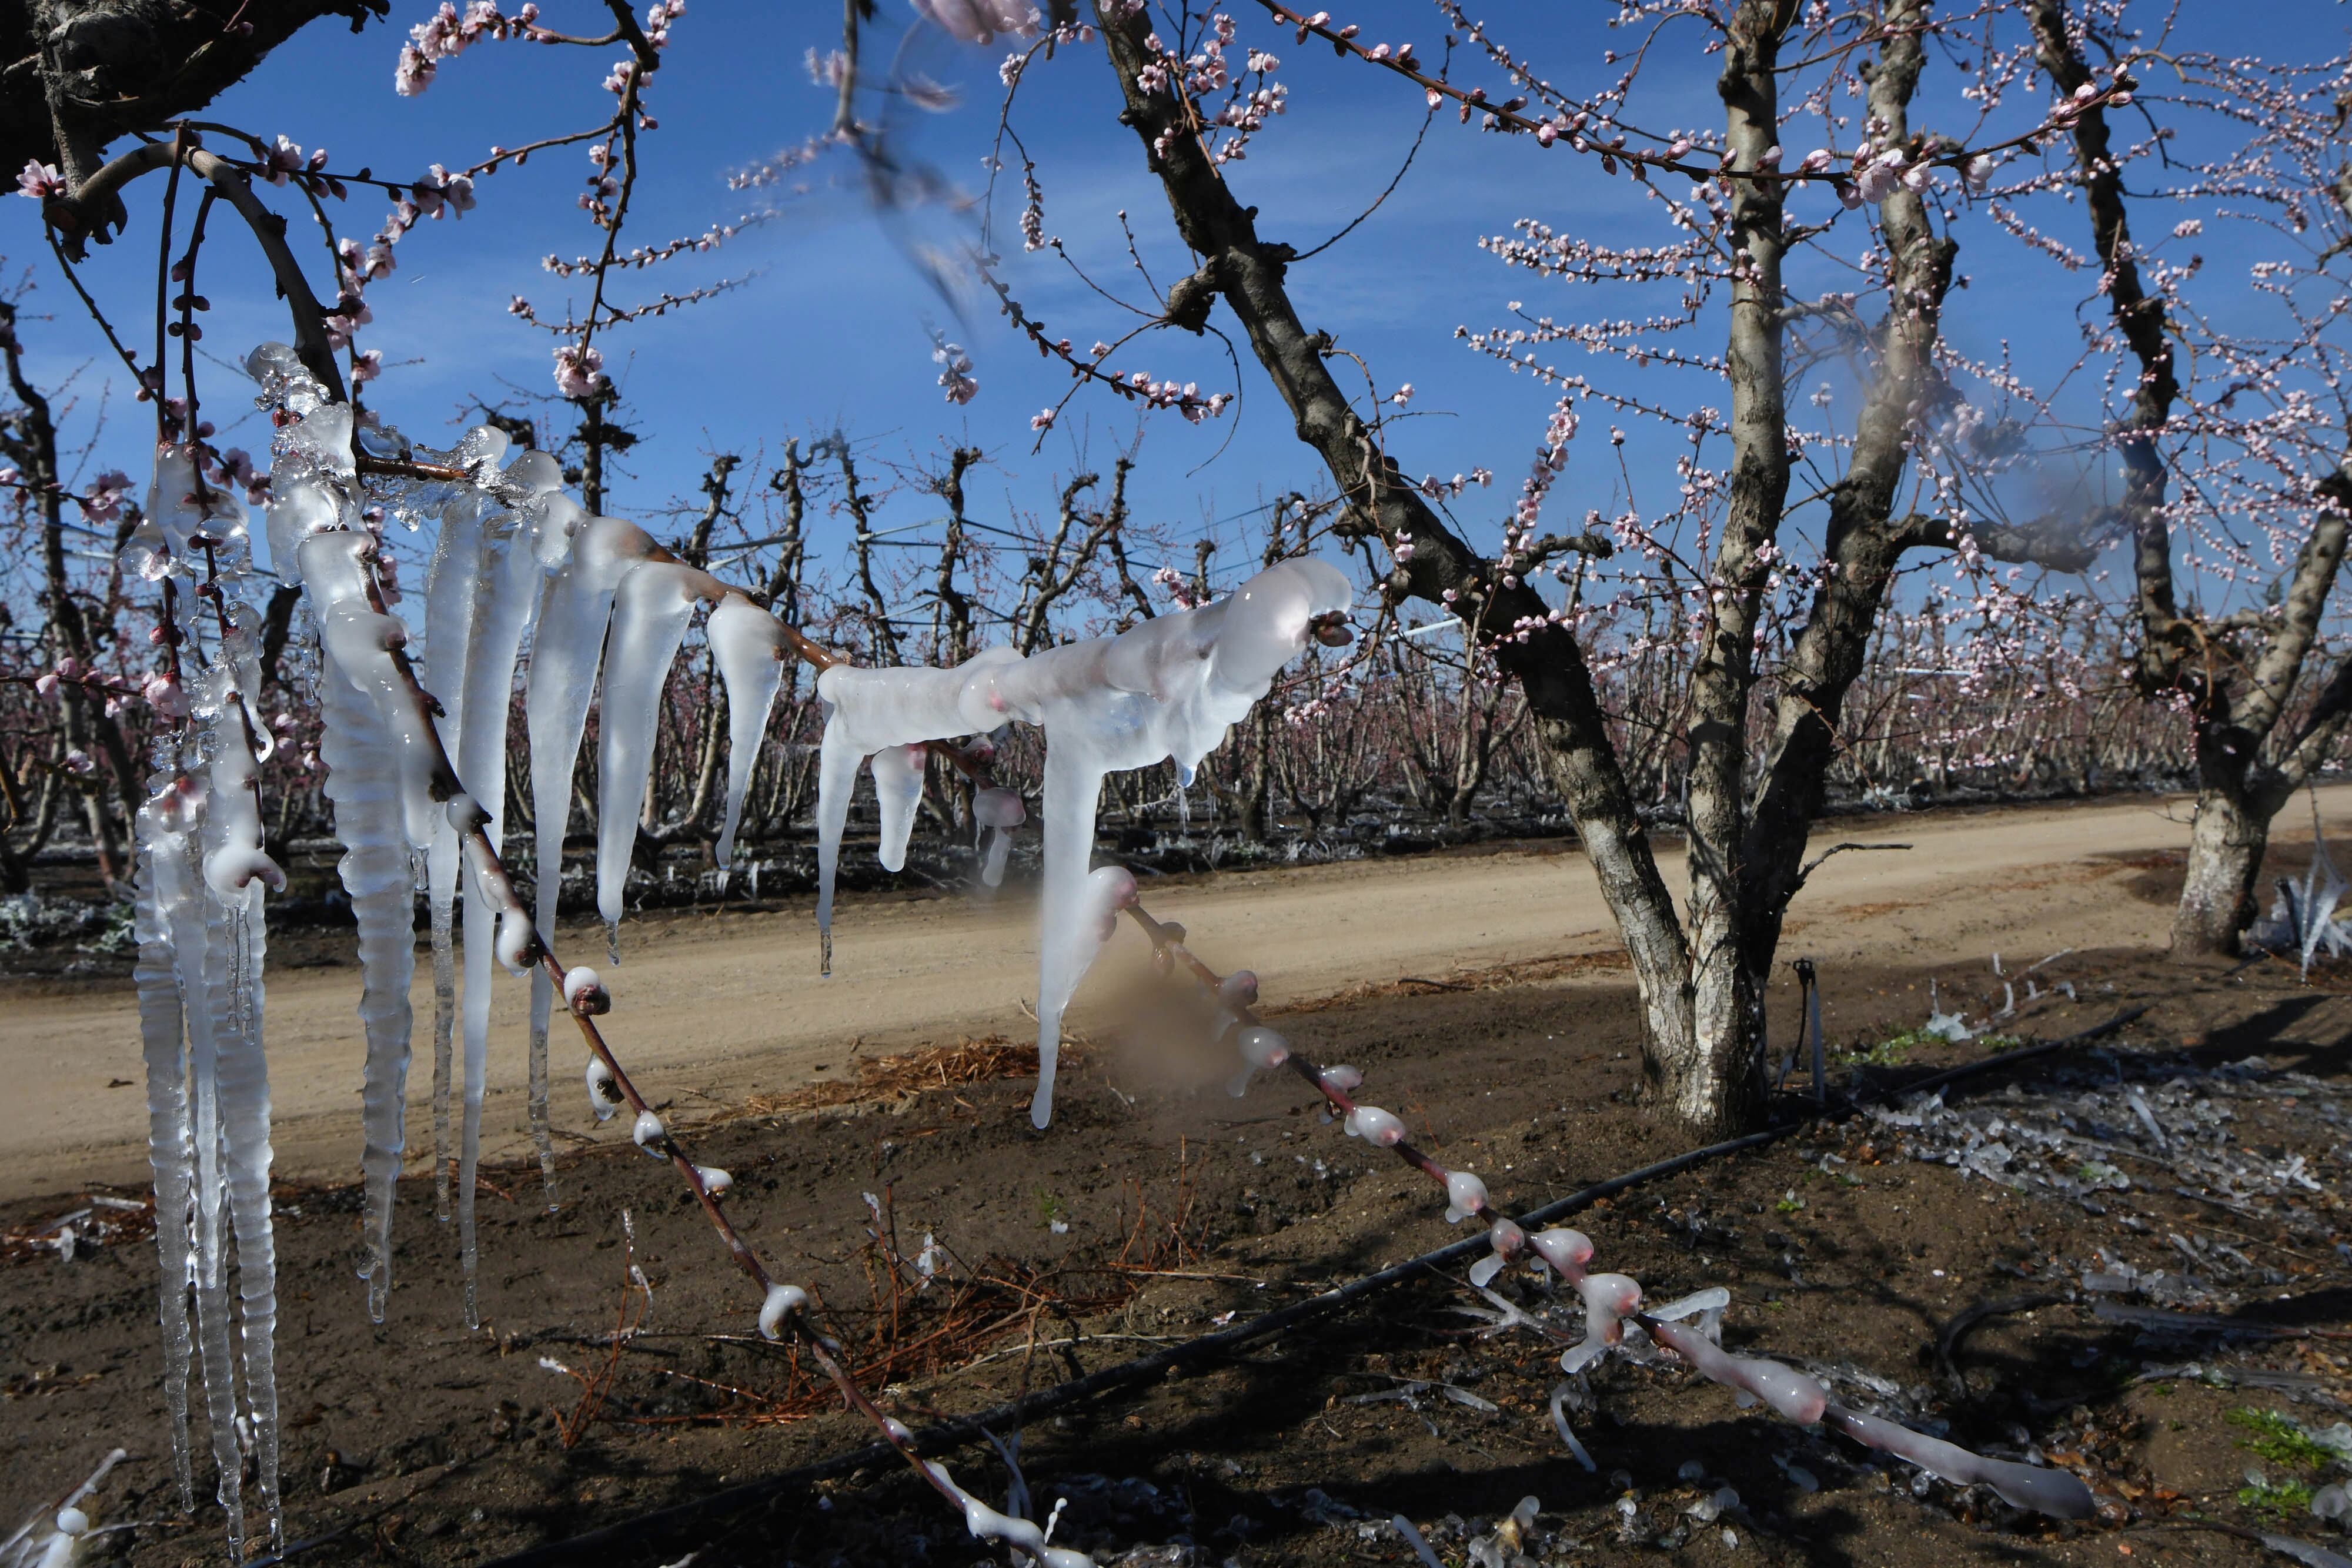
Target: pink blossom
{"x": 283, "y": 158}
{"x": 39, "y": 180}
{"x": 104, "y": 502}
{"x": 166, "y": 697}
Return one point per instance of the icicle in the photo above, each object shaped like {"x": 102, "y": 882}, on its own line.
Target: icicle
{"x": 1081, "y": 913}
{"x": 196, "y": 956}
{"x": 448, "y": 618}
{"x": 748, "y": 646}
{"x": 163, "y": 856}
{"x": 574, "y": 609}
{"x": 236, "y": 871}
{"x": 1608, "y": 1298}
{"x": 868, "y": 710}
{"x": 996, "y": 812}
{"x": 363, "y": 784}
{"x": 650, "y": 612}
{"x": 506, "y": 590}
{"x": 897, "y": 789}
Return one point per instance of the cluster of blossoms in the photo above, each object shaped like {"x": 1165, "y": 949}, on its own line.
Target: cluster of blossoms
{"x": 284, "y": 160}
{"x": 955, "y": 371}
{"x": 1206, "y": 71}
{"x": 448, "y": 34}
{"x": 579, "y": 371}
{"x": 1171, "y": 582}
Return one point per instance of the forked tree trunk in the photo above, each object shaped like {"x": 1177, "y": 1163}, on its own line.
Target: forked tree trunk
{"x": 2225, "y": 855}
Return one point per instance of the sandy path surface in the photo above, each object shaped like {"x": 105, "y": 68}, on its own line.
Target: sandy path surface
{"x": 718, "y": 1006}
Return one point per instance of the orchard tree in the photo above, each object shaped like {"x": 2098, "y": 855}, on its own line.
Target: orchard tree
{"x": 1769, "y": 265}
{"x": 2235, "y": 444}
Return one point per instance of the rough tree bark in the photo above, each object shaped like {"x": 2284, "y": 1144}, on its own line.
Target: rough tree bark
{"x": 2237, "y": 671}
{"x": 82, "y": 73}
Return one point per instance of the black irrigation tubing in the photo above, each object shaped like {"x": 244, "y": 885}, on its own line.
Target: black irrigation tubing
{"x": 647, "y": 1530}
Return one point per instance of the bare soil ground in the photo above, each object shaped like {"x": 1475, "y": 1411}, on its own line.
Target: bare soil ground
{"x": 2025, "y": 1260}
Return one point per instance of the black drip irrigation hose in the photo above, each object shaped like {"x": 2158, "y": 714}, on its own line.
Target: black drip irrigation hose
{"x": 662, "y": 1525}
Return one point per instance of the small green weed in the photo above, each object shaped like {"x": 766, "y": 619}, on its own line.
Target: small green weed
{"x": 1997, "y": 1043}
{"x": 2279, "y": 1439}
{"x": 1892, "y": 1050}
{"x": 2287, "y": 1499}
{"x": 1051, "y": 1210}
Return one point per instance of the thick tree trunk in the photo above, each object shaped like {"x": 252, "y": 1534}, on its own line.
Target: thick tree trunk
{"x": 75, "y": 74}
{"x": 2225, "y": 854}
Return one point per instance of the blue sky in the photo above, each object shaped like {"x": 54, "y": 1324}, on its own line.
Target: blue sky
{"x": 832, "y": 329}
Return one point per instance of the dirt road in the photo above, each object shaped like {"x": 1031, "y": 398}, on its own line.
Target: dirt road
{"x": 714, "y": 1006}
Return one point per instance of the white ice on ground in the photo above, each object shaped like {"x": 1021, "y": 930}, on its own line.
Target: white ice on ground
{"x": 2056, "y": 1492}
{"x": 1786, "y": 1390}
{"x": 987, "y": 1523}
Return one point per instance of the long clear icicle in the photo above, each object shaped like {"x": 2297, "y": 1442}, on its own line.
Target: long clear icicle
{"x": 199, "y": 933}
{"x": 448, "y": 625}
{"x": 565, "y": 653}
{"x": 364, "y": 783}
{"x": 650, "y": 612}
{"x": 163, "y": 866}
{"x": 236, "y": 869}
{"x": 554, "y": 521}
{"x": 506, "y": 593}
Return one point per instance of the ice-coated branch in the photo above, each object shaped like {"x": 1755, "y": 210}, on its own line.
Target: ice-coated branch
{"x": 400, "y": 765}
{"x": 1612, "y": 1301}
{"x": 1166, "y": 690}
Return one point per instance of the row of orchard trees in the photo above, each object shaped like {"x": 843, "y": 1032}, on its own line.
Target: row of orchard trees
{"x": 1405, "y": 738}
{"x": 1894, "y": 554}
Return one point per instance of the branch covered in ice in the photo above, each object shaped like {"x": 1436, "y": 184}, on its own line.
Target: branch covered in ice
{"x": 1167, "y": 690}
{"x": 1613, "y": 1319}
